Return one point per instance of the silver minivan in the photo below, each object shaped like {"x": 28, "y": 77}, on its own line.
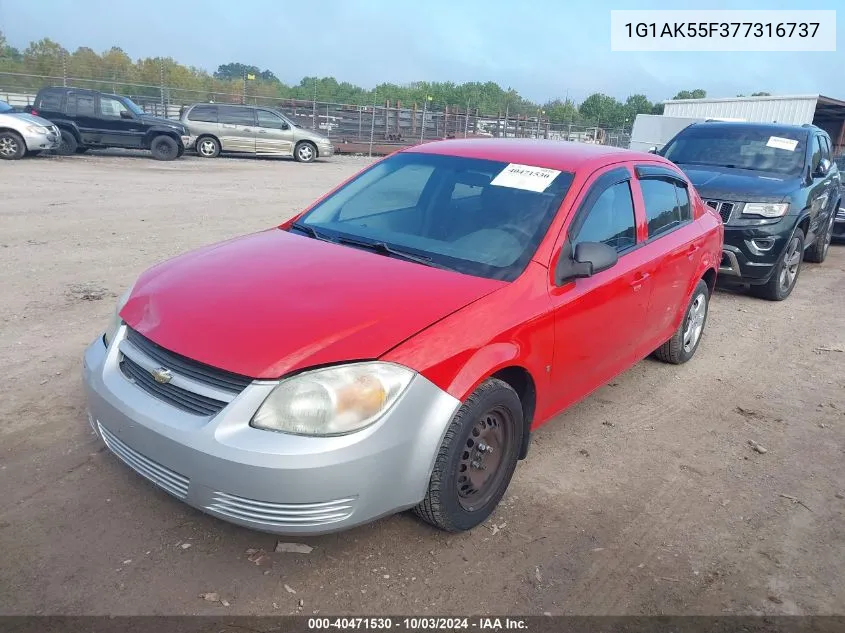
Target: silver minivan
{"x": 223, "y": 127}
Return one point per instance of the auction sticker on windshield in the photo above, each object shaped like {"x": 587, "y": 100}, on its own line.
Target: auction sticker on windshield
{"x": 525, "y": 177}
{"x": 782, "y": 143}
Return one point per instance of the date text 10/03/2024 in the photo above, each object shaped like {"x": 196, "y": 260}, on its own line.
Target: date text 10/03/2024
{"x": 418, "y": 624}
{"x": 722, "y": 29}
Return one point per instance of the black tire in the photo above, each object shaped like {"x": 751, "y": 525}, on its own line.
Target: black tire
{"x": 492, "y": 413}
{"x": 12, "y": 146}
{"x": 817, "y": 253}
{"x": 207, "y": 147}
{"x": 33, "y": 153}
{"x": 781, "y": 283}
{"x": 305, "y": 152}
{"x": 81, "y": 149}
{"x": 68, "y": 144}
{"x": 686, "y": 339}
{"x": 164, "y": 148}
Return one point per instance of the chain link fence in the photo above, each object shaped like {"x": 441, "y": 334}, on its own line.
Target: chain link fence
{"x": 374, "y": 128}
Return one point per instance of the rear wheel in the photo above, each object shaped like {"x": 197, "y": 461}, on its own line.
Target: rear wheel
{"x": 817, "y": 253}
{"x": 208, "y": 147}
{"x": 12, "y": 146}
{"x": 476, "y": 460}
{"x": 68, "y": 144}
{"x": 305, "y": 152}
{"x": 681, "y": 347}
{"x": 785, "y": 275}
{"x": 164, "y": 148}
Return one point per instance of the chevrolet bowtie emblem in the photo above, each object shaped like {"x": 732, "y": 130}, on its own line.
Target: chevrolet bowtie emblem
{"x": 162, "y": 375}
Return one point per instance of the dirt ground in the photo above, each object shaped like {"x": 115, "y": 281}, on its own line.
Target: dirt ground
{"x": 646, "y": 498}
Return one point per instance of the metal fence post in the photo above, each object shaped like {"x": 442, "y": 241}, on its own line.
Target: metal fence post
{"x": 373, "y": 126}
{"x": 64, "y": 68}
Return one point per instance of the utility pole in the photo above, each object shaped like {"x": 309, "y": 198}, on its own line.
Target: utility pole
{"x": 161, "y": 82}
{"x": 243, "y": 95}
{"x": 64, "y": 68}
{"x": 314, "y": 107}
{"x": 373, "y": 124}
{"x": 466, "y": 123}
{"x": 425, "y": 107}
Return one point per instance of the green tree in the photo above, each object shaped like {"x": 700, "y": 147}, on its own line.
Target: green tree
{"x": 601, "y": 109}
{"x": 698, "y": 93}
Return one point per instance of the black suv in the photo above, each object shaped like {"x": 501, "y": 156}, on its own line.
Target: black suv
{"x": 89, "y": 119}
{"x": 777, "y": 191}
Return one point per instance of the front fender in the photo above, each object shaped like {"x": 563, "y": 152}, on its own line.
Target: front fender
{"x": 481, "y": 365}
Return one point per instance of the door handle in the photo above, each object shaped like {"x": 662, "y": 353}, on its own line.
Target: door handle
{"x": 638, "y": 281}
{"x": 692, "y": 250}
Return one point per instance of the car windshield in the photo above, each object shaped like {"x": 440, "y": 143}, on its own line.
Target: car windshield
{"x": 770, "y": 150}
{"x": 5, "y": 107}
{"x": 131, "y": 105}
{"x": 474, "y": 216}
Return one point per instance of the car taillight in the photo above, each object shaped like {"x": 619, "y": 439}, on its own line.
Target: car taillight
{"x": 33, "y": 112}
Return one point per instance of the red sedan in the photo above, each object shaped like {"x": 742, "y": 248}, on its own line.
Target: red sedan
{"x": 394, "y": 346}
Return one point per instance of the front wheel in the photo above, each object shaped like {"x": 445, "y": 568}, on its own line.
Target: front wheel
{"x": 785, "y": 274}
{"x": 305, "y": 152}
{"x": 208, "y": 147}
{"x": 681, "y": 347}
{"x": 164, "y": 148}
{"x": 67, "y": 144}
{"x": 12, "y": 146}
{"x": 476, "y": 460}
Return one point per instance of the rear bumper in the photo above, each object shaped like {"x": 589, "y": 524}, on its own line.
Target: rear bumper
{"x": 750, "y": 254}
{"x": 189, "y": 141}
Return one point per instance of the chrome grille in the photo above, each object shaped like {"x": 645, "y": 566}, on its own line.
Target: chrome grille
{"x": 280, "y": 514}
{"x": 195, "y": 393}
{"x": 163, "y": 477}
{"x": 724, "y": 209}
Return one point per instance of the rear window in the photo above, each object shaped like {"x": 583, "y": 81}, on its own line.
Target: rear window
{"x": 758, "y": 149}
{"x": 232, "y": 115}
{"x": 205, "y": 113}
{"x": 50, "y": 100}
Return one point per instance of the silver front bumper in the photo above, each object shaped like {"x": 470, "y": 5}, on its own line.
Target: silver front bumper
{"x": 39, "y": 142}
{"x": 260, "y": 479}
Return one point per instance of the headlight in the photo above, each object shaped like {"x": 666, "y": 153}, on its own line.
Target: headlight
{"x": 766, "y": 209}
{"x": 36, "y": 129}
{"x": 333, "y": 401}
{"x": 116, "y": 321}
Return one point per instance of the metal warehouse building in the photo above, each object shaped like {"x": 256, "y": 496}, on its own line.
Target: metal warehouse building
{"x": 827, "y": 113}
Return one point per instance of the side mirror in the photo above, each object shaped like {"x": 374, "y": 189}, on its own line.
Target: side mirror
{"x": 652, "y": 149}
{"x": 126, "y": 114}
{"x": 823, "y": 169}
{"x": 589, "y": 258}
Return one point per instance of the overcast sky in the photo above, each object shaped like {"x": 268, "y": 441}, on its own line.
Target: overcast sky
{"x": 545, "y": 50}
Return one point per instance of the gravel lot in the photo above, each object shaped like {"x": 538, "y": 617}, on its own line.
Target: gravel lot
{"x": 646, "y": 498}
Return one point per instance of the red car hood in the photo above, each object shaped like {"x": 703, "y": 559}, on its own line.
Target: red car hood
{"x": 273, "y": 302}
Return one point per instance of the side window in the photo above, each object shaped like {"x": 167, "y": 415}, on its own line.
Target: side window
{"x": 111, "y": 107}
{"x": 80, "y": 104}
{"x": 664, "y": 207}
{"x": 269, "y": 120}
{"x": 204, "y": 113}
{"x": 610, "y": 219}
{"x": 816, "y": 156}
{"x": 232, "y": 115}
{"x": 400, "y": 189}
{"x": 51, "y": 101}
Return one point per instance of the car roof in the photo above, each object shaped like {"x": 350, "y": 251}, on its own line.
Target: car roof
{"x": 561, "y": 155}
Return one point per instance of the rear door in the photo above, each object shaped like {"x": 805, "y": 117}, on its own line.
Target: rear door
{"x": 820, "y": 190}
{"x": 274, "y": 136}
{"x": 672, "y": 248}
{"x": 120, "y": 126}
{"x": 237, "y": 128}
{"x": 81, "y": 108}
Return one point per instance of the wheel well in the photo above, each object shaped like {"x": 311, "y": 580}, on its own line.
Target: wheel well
{"x": 804, "y": 225}
{"x": 148, "y": 143}
{"x": 521, "y": 382}
{"x": 709, "y": 278}
{"x": 311, "y": 143}
{"x": 70, "y": 130}
{"x": 8, "y": 129}
{"x": 206, "y": 135}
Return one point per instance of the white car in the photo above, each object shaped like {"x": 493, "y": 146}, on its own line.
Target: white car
{"x": 22, "y": 134}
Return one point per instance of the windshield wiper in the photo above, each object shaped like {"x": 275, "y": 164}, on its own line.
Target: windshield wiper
{"x": 387, "y": 249}
{"x": 311, "y": 231}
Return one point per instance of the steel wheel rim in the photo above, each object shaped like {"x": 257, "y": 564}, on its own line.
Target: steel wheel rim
{"x": 484, "y": 458}
{"x": 791, "y": 263}
{"x": 305, "y": 152}
{"x": 207, "y": 147}
{"x": 8, "y": 146}
{"x": 695, "y": 322}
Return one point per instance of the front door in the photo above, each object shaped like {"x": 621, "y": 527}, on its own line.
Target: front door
{"x": 237, "y": 128}
{"x": 120, "y": 126}
{"x": 599, "y": 319}
{"x": 823, "y": 187}
{"x": 274, "y": 135}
